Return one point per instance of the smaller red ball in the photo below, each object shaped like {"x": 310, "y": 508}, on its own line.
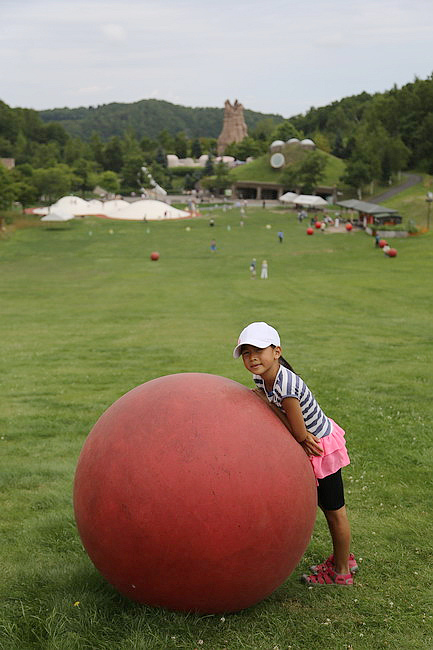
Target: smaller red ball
{"x": 392, "y": 252}
{"x": 318, "y": 224}
{"x": 154, "y": 256}
{"x": 310, "y": 231}
{"x": 382, "y": 243}
{"x": 349, "y": 227}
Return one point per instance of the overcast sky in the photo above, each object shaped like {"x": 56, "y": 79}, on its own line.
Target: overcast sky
{"x": 275, "y": 56}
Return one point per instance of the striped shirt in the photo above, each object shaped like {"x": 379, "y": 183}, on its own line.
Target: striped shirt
{"x": 288, "y": 384}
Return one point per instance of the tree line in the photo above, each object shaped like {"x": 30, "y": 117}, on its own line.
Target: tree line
{"x": 145, "y": 118}
{"x": 377, "y": 136}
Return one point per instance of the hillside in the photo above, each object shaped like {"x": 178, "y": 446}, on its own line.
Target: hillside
{"x": 399, "y": 122}
{"x": 146, "y": 118}
{"x": 261, "y": 170}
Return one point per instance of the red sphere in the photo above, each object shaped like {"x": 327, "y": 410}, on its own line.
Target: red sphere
{"x": 206, "y": 505}
{"x": 154, "y": 256}
{"x": 310, "y": 231}
{"x": 382, "y": 243}
{"x": 349, "y": 227}
{"x": 392, "y": 252}
{"x": 318, "y": 224}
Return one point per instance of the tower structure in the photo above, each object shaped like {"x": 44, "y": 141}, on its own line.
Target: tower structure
{"x": 234, "y": 127}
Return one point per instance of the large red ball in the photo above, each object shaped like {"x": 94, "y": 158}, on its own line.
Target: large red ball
{"x": 392, "y": 252}
{"x": 318, "y": 224}
{"x": 310, "y": 231}
{"x": 190, "y": 494}
{"x": 382, "y": 243}
{"x": 349, "y": 227}
{"x": 154, "y": 256}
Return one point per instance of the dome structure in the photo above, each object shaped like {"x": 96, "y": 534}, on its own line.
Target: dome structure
{"x": 145, "y": 209}
{"x": 307, "y": 143}
{"x": 276, "y": 145}
{"x": 70, "y": 205}
{"x": 293, "y": 141}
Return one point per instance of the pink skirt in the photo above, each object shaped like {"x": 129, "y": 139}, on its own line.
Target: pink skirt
{"x": 334, "y": 455}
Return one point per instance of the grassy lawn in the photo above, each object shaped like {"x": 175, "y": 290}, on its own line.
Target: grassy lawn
{"x": 412, "y": 204}
{"x": 86, "y": 316}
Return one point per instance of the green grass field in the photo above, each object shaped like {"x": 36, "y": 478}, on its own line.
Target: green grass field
{"x": 86, "y": 316}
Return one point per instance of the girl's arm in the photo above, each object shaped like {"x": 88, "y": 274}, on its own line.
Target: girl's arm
{"x": 295, "y": 423}
{"x": 298, "y": 429}
{"x": 282, "y": 416}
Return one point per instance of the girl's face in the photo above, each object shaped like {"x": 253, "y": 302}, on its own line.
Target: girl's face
{"x": 261, "y": 361}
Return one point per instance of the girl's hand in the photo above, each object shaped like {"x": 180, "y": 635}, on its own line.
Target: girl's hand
{"x": 311, "y": 445}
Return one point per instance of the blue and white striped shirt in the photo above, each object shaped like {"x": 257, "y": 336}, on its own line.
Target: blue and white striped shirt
{"x": 288, "y": 384}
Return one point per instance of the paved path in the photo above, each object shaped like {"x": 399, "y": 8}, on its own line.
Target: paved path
{"x": 410, "y": 179}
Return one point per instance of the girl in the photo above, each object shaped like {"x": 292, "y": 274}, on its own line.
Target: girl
{"x": 321, "y": 438}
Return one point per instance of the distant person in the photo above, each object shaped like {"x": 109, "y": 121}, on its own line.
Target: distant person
{"x": 264, "y": 270}
{"x": 376, "y": 241}
{"x": 264, "y": 205}
{"x": 281, "y": 236}
{"x": 253, "y": 268}
{"x": 213, "y": 246}
{"x": 211, "y": 222}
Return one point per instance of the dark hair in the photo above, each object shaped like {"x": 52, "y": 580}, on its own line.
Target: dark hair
{"x": 285, "y": 363}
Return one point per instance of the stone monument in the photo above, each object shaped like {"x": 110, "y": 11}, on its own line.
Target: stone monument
{"x": 234, "y": 127}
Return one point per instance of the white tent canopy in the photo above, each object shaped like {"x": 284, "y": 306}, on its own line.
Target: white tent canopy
{"x": 57, "y": 216}
{"x": 310, "y": 201}
{"x": 289, "y": 197}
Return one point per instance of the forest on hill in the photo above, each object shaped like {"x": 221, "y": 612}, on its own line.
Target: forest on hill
{"x": 376, "y": 136}
{"x": 145, "y": 118}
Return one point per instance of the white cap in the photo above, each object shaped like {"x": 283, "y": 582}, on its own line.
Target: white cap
{"x": 261, "y": 335}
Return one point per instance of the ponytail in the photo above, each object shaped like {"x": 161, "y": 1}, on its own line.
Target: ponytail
{"x": 286, "y": 364}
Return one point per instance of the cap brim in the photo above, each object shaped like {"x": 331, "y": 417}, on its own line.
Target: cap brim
{"x": 255, "y": 342}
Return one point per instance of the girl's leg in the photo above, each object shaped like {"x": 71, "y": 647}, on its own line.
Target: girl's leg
{"x": 339, "y": 528}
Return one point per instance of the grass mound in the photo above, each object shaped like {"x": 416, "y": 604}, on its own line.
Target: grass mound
{"x": 260, "y": 170}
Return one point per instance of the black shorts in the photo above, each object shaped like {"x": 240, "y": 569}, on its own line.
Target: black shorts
{"x": 330, "y": 492}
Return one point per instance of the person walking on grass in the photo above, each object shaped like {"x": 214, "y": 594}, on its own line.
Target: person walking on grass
{"x": 264, "y": 270}
{"x": 321, "y": 438}
{"x": 253, "y": 268}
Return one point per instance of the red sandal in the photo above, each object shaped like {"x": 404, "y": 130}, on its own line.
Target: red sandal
{"x": 328, "y": 577}
{"x": 329, "y": 564}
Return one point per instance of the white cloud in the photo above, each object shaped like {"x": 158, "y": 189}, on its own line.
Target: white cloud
{"x": 281, "y": 56}
{"x": 93, "y": 90}
{"x": 115, "y": 33}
